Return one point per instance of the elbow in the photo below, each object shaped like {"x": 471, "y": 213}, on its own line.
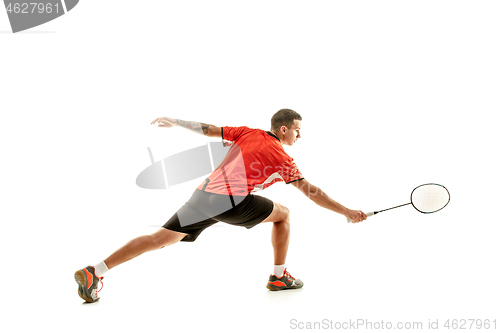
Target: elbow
{"x": 214, "y": 131}
{"x": 314, "y": 193}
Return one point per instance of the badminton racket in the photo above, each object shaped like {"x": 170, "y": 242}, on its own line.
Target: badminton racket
{"x": 426, "y": 198}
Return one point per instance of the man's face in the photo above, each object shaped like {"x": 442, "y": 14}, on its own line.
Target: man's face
{"x": 290, "y": 135}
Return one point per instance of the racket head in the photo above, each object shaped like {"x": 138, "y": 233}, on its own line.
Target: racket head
{"x": 429, "y": 198}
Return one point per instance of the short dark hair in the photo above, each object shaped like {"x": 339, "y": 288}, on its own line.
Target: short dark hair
{"x": 284, "y": 117}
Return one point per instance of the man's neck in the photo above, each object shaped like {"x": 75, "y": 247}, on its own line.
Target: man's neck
{"x": 276, "y": 135}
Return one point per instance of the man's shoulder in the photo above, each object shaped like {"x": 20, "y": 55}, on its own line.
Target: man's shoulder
{"x": 247, "y": 130}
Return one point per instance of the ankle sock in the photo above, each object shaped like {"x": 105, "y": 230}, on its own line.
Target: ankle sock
{"x": 100, "y": 269}
{"x": 279, "y": 270}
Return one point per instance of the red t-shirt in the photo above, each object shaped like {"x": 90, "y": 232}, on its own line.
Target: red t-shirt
{"x": 255, "y": 161}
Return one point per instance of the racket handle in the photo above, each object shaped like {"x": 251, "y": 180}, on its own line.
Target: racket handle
{"x": 367, "y": 214}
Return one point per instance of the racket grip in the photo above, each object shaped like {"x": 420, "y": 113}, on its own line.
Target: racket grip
{"x": 367, "y": 214}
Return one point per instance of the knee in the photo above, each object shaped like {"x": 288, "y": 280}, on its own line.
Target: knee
{"x": 156, "y": 241}
{"x": 164, "y": 237}
{"x": 285, "y": 214}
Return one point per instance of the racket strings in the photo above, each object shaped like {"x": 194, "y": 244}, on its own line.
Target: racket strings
{"x": 430, "y": 198}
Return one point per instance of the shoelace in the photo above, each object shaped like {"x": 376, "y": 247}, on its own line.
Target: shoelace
{"x": 289, "y": 277}
{"x": 102, "y": 285}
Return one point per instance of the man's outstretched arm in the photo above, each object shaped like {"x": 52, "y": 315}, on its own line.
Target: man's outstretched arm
{"x": 322, "y": 199}
{"x": 200, "y": 128}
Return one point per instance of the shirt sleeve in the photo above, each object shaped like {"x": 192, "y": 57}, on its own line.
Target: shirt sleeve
{"x": 233, "y": 133}
{"x": 290, "y": 172}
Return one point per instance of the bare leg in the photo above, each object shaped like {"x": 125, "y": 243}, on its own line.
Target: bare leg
{"x": 280, "y": 235}
{"x": 161, "y": 238}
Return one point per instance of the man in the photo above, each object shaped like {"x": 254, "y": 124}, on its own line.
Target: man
{"x": 255, "y": 161}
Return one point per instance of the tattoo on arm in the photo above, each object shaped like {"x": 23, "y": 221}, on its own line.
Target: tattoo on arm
{"x": 200, "y": 128}
{"x": 205, "y": 127}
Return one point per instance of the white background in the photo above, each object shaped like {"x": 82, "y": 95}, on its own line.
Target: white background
{"x": 393, "y": 94}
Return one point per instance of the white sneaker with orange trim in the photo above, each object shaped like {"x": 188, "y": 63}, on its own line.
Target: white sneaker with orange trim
{"x": 285, "y": 282}
{"x": 87, "y": 284}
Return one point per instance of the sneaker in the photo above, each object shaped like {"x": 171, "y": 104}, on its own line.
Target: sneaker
{"x": 285, "y": 282}
{"x": 87, "y": 284}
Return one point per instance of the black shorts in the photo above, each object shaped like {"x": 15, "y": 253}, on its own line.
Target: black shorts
{"x": 204, "y": 209}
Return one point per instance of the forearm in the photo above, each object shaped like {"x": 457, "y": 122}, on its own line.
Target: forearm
{"x": 196, "y": 127}
{"x": 322, "y": 199}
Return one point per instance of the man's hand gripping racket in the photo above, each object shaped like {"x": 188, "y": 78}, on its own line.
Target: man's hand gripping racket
{"x": 355, "y": 216}
{"x": 426, "y": 198}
